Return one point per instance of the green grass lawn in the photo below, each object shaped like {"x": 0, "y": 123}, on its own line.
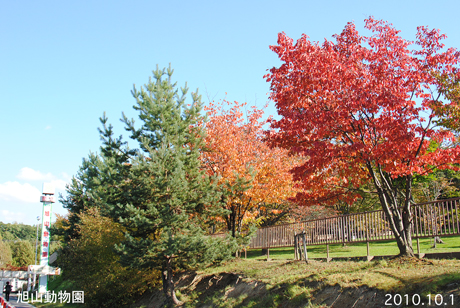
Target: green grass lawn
{"x": 451, "y": 244}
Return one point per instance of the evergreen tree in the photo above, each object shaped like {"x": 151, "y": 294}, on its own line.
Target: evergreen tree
{"x": 172, "y": 195}
{"x": 101, "y": 180}
{"x": 158, "y": 192}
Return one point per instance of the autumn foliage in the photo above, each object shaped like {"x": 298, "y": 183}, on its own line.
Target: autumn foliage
{"x": 345, "y": 105}
{"x": 255, "y": 177}
{"x": 366, "y": 108}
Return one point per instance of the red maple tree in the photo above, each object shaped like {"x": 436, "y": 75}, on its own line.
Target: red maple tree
{"x": 365, "y": 108}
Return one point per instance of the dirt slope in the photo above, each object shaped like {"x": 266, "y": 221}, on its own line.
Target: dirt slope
{"x": 233, "y": 290}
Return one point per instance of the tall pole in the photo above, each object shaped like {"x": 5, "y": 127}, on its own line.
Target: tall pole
{"x": 35, "y": 262}
{"x": 47, "y": 199}
{"x": 36, "y": 241}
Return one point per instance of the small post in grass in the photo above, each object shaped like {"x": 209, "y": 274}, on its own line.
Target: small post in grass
{"x": 305, "y": 246}
{"x": 367, "y": 242}
{"x": 295, "y": 246}
{"x": 298, "y": 247}
{"x": 368, "y": 255}
{"x": 327, "y": 250}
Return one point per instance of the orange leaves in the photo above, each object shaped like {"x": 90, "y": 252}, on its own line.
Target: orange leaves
{"x": 235, "y": 149}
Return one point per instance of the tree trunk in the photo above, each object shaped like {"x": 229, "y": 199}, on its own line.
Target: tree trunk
{"x": 404, "y": 234}
{"x": 231, "y": 221}
{"x": 399, "y": 220}
{"x": 168, "y": 283}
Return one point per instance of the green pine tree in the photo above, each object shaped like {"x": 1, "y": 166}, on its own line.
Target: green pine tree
{"x": 158, "y": 191}
{"x": 170, "y": 198}
{"x": 100, "y": 180}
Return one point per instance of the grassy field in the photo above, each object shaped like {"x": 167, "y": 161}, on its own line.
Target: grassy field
{"x": 387, "y": 248}
{"x": 289, "y": 283}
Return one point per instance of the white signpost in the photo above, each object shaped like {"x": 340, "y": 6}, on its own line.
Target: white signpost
{"x": 47, "y": 199}
{"x": 44, "y": 270}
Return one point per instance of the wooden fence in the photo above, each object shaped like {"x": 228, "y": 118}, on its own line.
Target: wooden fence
{"x": 438, "y": 218}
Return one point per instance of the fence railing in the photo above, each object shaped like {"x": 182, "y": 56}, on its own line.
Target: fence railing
{"x": 438, "y": 218}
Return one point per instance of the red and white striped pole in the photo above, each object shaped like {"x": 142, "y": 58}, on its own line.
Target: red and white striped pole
{"x": 47, "y": 199}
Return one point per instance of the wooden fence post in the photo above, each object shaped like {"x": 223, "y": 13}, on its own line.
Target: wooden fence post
{"x": 299, "y": 247}
{"x": 295, "y": 246}
{"x": 368, "y": 254}
{"x": 305, "y": 246}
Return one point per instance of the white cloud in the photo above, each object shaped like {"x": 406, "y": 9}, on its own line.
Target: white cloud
{"x": 34, "y": 175}
{"x": 10, "y": 217}
{"x": 66, "y": 177}
{"x": 20, "y": 199}
{"x": 59, "y": 184}
{"x": 48, "y": 127}
{"x": 14, "y": 191}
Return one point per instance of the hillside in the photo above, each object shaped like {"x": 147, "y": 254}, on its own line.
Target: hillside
{"x": 17, "y": 231}
{"x": 282, "y": 283}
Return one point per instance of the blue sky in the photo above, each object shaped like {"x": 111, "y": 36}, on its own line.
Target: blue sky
{"x": 63, "y": 63}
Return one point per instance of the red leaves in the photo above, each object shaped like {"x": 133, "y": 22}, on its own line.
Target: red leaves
{"x": 362, "y": 101}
